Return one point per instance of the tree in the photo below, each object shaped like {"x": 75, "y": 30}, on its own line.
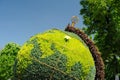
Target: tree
{"x": 7, "y": 57}
{"x": 103, "y": 21}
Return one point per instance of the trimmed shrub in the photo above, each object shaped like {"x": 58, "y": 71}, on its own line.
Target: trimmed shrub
{"x": 54, "y": 55}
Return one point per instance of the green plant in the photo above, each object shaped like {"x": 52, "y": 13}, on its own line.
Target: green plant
{"x": 55, "y": 55}
{"x": 7, "y": 58}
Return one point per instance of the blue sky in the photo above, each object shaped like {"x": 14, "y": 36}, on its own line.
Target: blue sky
{"x": 21, "y": 19}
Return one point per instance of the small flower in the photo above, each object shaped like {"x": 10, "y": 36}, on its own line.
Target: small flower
{"x": 67, "y": 38}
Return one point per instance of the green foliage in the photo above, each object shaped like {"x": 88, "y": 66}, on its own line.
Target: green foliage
{"x": 103, "y": 21}
{"x": 50, "y": 55}
{"x": 7, "y": 57}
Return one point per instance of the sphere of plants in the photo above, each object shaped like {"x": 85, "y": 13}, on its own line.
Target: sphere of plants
{"x": 55, "y": 55}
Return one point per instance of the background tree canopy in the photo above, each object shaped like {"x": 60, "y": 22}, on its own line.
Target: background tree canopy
{"x": 102, "y": 19}
{"x": 7, "y": 58}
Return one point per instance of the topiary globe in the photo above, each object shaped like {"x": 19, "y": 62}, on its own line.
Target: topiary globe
{"x": 55, "y": 55}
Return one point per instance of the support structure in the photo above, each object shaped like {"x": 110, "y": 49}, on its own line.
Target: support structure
{"x": 93, "y": 49}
